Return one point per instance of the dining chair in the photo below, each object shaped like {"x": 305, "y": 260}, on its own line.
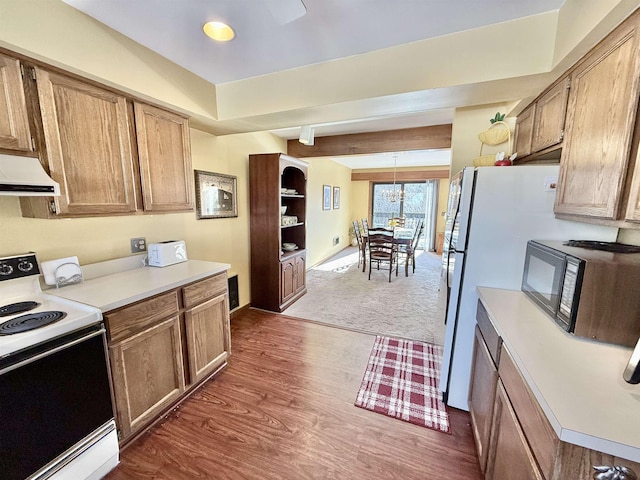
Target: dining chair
{"x": 365, "y": 227}
{"x": 361, "y": 246}
{"x": 381, "y": 246}
{"x": 410, "y": 255}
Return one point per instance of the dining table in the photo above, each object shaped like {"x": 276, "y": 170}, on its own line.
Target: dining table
{"x": 401, "y": 235}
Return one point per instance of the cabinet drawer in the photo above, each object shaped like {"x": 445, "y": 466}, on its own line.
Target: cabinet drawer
{"x": 204, "y": 289}
{"x": 491, "y": 337}
{"x": 541, "y": 437}
{"x": 134, "y": 318}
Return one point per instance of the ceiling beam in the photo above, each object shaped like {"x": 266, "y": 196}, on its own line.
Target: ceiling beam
{"x": 403, "y": 176}
{"x": 419, "y": 138}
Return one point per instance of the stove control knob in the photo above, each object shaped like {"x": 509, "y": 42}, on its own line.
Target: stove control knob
{"x": 5, "y": 269}
{"x": 25, "y": 266}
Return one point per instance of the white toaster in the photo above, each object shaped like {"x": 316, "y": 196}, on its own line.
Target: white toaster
{"x": 167, "y": 253}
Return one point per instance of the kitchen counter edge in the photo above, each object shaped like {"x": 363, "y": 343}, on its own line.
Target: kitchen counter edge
{"x": 577, "y": 382}
{"x": 116, "y": 290}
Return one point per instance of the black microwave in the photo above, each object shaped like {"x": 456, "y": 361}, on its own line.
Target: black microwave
{"x": 588, "y": 292}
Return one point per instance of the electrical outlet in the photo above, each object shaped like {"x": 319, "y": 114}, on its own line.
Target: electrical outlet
{"x": 336, "y": 240}
{"x": 138, "y": 245}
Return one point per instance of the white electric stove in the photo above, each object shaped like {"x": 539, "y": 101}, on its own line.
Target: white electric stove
{"x": 57, "y": 417}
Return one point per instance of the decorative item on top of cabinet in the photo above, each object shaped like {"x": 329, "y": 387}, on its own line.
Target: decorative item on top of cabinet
{"x": 160, "y": 350}
{"x": 600, "y": 121}
{"x": 278, "y": 254}
{"x": 14, "y": 122}
{"x": 164, "y": 152}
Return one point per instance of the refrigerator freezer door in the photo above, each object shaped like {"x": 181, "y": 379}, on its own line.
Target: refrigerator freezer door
{"x": 461, "y": 225}
{"x": 450, "y": 331}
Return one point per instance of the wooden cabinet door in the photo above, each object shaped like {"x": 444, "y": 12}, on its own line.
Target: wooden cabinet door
{"x": 524, "y": 131}
{"x": 165, "y": 159}
{"x": 14, "y": 121}
{"x": 482, "y": 391}
{"x": 148, "y": 374}
{"x": 208, "y": 337}
{"x": 287, "y": 279}
{"x": 509, "y": 455}
{"x": 551, "y": 110}
{"x": 600, "y": 121}
{"x": 299, "y": 274}
{"x": 86, "y": 132}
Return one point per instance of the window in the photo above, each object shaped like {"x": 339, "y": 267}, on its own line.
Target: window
{"x": 419, "y": 201}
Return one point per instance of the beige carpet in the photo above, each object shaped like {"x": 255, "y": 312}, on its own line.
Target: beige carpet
{"x": 409, "y": 307}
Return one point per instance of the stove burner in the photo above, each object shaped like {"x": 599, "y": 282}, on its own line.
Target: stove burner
{"x": 30, "y": 321}
{"x": 19, "y": 307}
{"x": 605, "y": 246}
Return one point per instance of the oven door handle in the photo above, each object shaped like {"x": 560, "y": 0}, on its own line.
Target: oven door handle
{"x": 51, "y": 351}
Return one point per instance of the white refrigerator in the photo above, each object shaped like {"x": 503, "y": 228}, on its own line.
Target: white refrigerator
{"x": 494, "y": 211}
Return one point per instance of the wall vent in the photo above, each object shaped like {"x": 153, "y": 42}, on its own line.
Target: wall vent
{"x": 234, "y": 298}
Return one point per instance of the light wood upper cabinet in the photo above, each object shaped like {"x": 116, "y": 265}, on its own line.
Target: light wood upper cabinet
{"x": 551, "y": 110}
{"x": 600, "y": 122}
{"x": 14, "y": 123}
{"x": 165, "y": 159}
{"x": 524, "y": 131}
{"x": 110, "y": 154}
{"x": 86, "y": 132}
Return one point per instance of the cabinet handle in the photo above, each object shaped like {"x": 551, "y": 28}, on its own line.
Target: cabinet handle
{"x": 606, "y": 472}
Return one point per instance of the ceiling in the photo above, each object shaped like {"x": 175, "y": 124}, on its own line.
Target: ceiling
{"x": 277, "y": 35}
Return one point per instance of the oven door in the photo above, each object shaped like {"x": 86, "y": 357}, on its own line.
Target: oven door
{"x": 52, "y": 398}
{"x": 542, "y": 277}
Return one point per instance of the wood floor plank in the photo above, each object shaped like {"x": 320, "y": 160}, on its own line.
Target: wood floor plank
{"x": 283, "y": 409}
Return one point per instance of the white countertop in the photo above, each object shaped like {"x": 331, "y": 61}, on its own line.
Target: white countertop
{"x": 115, "y": 290}
{"x": 577, "y": 382}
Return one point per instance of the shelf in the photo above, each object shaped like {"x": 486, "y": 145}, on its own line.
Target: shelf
{"x": 284, "y": 255}
{"x": 292, "y": 225}
{"x": 286, "y": 195}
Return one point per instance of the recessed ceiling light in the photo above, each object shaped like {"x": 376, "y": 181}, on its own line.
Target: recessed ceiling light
{"x": 219, "y": 31}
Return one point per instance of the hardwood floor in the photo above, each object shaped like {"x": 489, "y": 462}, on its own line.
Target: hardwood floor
{"x": 283, "y": 409}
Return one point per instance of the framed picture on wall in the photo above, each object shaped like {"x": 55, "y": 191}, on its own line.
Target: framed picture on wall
{"x": 215, "y": 195}
{"x": 336, "y": 198}
{"x": 326, "y": 197}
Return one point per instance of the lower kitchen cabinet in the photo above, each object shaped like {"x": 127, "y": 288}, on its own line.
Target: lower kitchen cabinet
{"x": 208, "y": 340}
{"x": 163, "y": 347}
{"x": 482, "y": 393}
{"x": 148, "y": 374}
{"x": 513, "y": 435}
{"x": 509, "y": 455}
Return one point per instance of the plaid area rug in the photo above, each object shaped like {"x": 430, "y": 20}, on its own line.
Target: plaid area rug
{"x": 401, "y": 381}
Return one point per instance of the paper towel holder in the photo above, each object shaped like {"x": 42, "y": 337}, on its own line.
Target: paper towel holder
{"x": 71, "y": 279}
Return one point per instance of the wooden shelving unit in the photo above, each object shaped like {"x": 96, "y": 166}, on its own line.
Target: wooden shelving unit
{"x": 277, "y": 276}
